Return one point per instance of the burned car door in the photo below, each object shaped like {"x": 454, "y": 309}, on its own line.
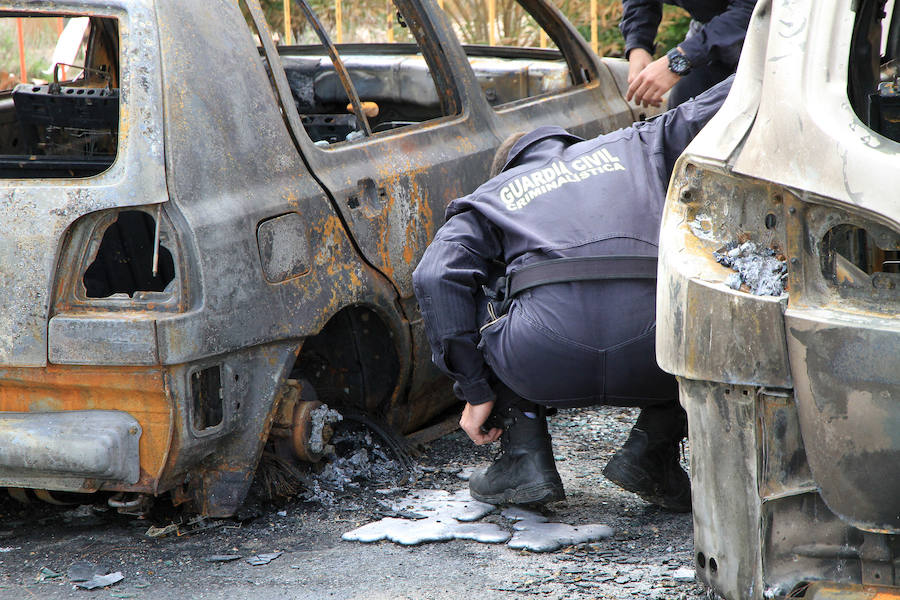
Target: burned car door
{"x": 433, "y": 132}
{"x": 391, "y": 170}
{"x": 394, "y": 131}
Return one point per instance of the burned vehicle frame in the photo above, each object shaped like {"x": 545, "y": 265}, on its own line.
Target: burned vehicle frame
{"x": 793, "y": 398}
{"x": 203, "y": 267}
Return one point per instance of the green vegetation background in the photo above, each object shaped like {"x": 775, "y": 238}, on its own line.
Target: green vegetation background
{"x": 470, "y": 18}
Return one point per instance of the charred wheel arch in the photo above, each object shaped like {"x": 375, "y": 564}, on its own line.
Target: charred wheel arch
{"x": 352, "y": 363}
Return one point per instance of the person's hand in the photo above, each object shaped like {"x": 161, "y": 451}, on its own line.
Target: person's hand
{"x": 638, "y": 59}
{"x": 651, "y": 83}
{"x": 473, "y": 417}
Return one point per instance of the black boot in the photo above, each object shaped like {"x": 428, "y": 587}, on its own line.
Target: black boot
{"x": 648, "y": 464}
{"x": 526, "y": 472}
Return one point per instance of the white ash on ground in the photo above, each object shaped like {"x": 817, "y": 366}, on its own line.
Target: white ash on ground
{"x": 358, "y": 458}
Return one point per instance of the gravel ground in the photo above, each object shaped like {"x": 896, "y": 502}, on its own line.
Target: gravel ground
{"x": 43, "y": 542}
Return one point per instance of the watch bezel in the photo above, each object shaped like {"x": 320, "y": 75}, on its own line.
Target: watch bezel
{"x": 678, "y": 62}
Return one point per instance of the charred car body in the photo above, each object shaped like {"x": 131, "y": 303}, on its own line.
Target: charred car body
{"x": 192, "y": 251}
{"x": 794, "y": 398}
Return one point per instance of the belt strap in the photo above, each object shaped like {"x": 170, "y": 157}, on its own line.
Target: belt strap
{"x": 580, "y": 268}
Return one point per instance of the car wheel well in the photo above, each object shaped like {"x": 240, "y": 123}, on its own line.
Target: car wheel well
{"x": 352, "y": 362}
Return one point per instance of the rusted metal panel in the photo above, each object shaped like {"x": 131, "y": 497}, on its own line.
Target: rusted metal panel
{"x": 787, "y": 164}
{"x": 724, "y": 471}
{"x": 140, "y": 392}
{"x": 837, "y": 591}
{"x": 706, "y": 330}
{"x": 783, "y": 467}
{"x": 848, "y": 385}
{"x": 283, "y": 247}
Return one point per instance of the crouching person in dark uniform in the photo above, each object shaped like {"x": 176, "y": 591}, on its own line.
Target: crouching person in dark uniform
{"x": 539, "y": 292}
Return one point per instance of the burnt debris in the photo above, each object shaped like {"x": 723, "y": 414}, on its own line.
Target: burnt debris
{"x": 762, "y": 270}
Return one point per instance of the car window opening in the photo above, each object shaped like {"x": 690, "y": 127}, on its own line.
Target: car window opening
{"x": 386, "y": 69}
{"x": 124, "y": 261}
{"x": 514, "y": 60}
{"x": 63, "y": 119}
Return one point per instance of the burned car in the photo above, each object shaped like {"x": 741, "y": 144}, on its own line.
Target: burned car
{"x": 793, "y": 388}
{"x": 203, "y": 234}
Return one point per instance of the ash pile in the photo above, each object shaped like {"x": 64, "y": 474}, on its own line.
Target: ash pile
{"x": 347, "y": 456}
{"x": 760, "y": 271}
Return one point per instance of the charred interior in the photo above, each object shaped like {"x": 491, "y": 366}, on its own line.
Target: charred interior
{"x": 124, "y": 261}
{"x": 397, "y": 85}
{"x": 852, "y": 257}
{"x": 65, "y": 122}
{"x": 874, "y": 77}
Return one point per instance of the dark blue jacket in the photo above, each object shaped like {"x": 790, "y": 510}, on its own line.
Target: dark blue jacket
{"x": 558, "y": 196}
{"x": 725, "y": 25}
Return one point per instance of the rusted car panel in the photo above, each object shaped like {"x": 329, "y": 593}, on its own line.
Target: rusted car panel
{"x": 229, "y": 262}
{"x": 792, "y": 399}
{"x": 138, "y": 393}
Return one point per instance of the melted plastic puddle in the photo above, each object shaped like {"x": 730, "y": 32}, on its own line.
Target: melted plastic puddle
{"x": 440, "y": 516}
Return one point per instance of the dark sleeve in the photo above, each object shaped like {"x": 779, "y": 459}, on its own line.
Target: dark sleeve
{"x": 669, "y": 134}
{"x": 640, "y": 20}
{"x": 447, "y": 282}
{"x": 722, "y": 37}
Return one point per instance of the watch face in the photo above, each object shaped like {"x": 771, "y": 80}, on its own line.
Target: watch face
{"x": 678, "y": 63}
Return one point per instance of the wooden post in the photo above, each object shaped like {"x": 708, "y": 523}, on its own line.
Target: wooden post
{"x": 441, "y": 4}
{"x": 60, "y": 27}
{"x": 288, "y": 38}
{"x": 338, "y": 22}
{"x": 543, "y": 38}
{"x": 390, "y": 21}
{"x": 594, "y": 41}
{"x": 21, "y": 35}
{"x": 492, "y": 17}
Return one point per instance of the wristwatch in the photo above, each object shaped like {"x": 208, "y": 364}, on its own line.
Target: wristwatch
{"x": 678, "y": 62}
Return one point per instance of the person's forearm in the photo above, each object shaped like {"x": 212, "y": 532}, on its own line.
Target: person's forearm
{"x": 446, "y": 284}
{"x": 640, "y": 21}
{"x": 668, "y": 135}
{"x": 721, "y": 36}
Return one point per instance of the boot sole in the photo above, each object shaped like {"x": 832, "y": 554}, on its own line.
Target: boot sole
{"x": 529, "y": 494}
{"x": 636, "y": 481}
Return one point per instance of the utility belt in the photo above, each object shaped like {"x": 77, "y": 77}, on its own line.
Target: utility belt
{"x": 567, "y": 270}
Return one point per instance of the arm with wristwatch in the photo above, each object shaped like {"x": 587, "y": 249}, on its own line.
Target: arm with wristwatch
{"x": 718, "y": 39}
{"x": 657, "y": 77}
